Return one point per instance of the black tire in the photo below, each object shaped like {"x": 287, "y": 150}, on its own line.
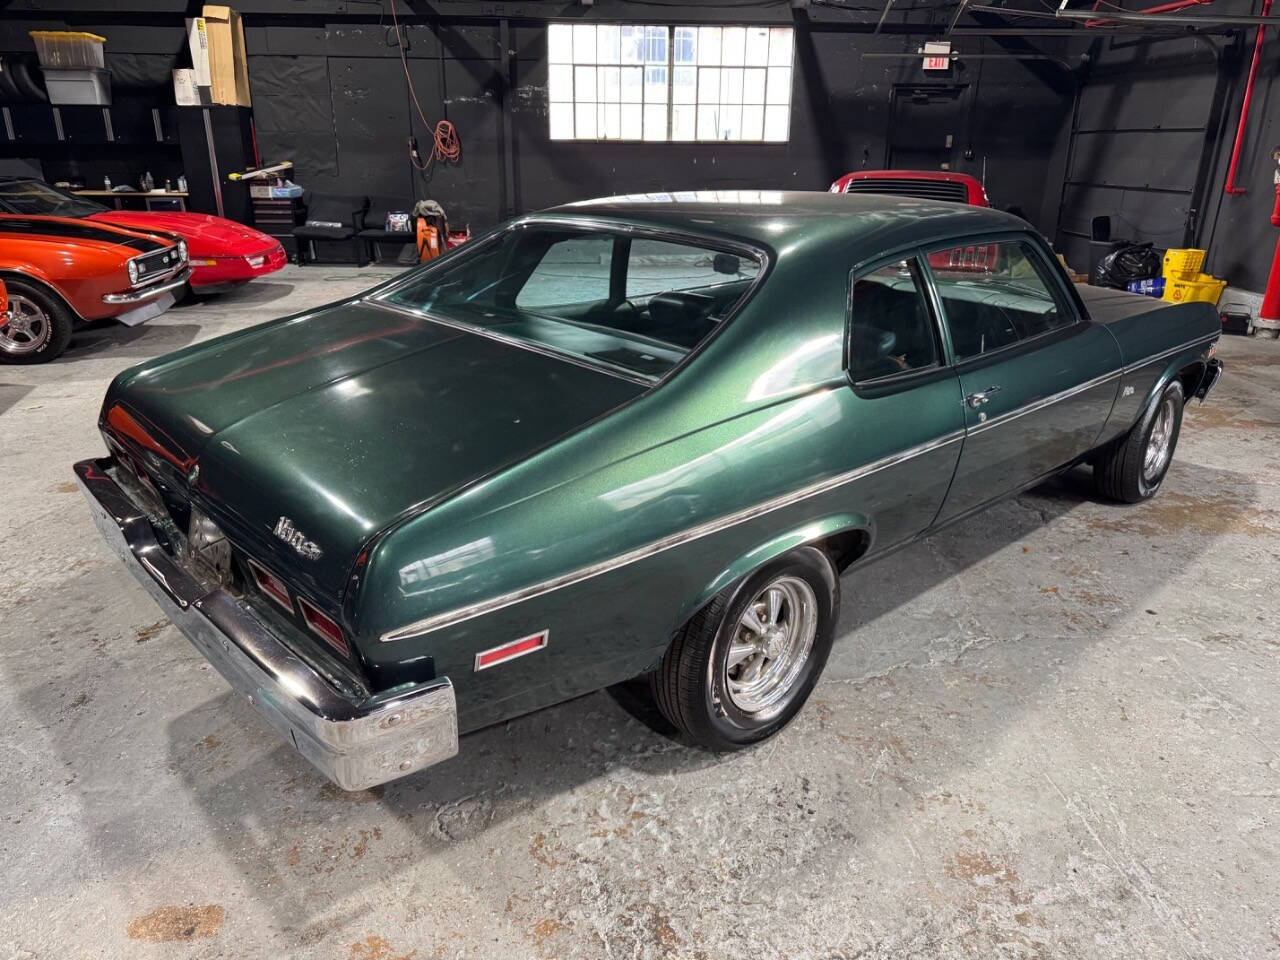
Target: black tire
{"x": 50, "y": 318}
{"x": 1122, "y": 470}
{"x": 691, "y": 686}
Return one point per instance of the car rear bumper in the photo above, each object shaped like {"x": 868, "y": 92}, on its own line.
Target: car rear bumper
{"x": 214, "y": 271}
{"x": 358, "y": 742}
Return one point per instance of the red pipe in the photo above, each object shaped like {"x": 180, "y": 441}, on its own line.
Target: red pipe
{"x": 1162, "y": 8}
{"x": 1270, "y": 309}
{"x": 1231, "y": 187}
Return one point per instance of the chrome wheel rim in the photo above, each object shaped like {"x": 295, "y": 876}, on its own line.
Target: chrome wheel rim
{"x": 25, "y": 328}
{"x": 770, "y": 645}
{"x": 1160, "y": 442}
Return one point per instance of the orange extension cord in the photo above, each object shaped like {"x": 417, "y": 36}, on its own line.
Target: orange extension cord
{"x": 445, "y": 147}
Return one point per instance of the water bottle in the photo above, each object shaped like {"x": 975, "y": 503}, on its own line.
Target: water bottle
{"x": 1153, "y": 287}
{"x": 106, "y": 184}
{"x": 148, "y": 182}
{"x": 182, "y": 183}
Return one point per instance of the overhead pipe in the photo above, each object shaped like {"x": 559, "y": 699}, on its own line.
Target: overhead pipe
{"x": 1231, "y": 187}
{"x": 1161, "y": 8}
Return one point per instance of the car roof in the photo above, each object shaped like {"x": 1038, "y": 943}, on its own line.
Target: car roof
{"x": 784, "y": 220}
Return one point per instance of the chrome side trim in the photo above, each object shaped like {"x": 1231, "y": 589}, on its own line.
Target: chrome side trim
{"x": 1044, "y": 402}
{"x": 1170, "y": 352}
{"x": 480, "y": 608}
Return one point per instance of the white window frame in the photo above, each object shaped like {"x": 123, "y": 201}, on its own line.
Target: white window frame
{"x": 617, "y": 82}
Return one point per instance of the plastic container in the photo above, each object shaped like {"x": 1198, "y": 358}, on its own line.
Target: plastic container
{"x": 1204, "y": 288}
{"x": 68, "y": 49}
{"x": 1183, "y": 264}
{"x": 83, "y": 87}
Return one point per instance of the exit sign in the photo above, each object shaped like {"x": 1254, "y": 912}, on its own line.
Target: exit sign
{"x": 937, "y": 56}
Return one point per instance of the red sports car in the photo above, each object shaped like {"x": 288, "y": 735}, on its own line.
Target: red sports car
{"x": 925, "y": 184}
{"x": 222, "y": 252}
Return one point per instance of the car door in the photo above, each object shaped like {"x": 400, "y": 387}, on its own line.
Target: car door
{"x": 909, "y": 416}
{"x": 1037, "y": 377}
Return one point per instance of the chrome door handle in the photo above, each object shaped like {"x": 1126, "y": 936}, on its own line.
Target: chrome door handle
{"x": 975, "y": 400}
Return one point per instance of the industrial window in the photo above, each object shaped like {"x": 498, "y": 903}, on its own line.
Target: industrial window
{"x": 618, "y": 82}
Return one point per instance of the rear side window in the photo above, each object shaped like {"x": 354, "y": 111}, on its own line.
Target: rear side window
{"x": 572, "y": 271}
{"x": 997, "y": 300}
{"x": 890, "y": 329}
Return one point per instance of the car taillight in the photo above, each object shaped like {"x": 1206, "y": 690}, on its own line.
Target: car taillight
{"x": 323, "y": 626}
{"x": 272, "y": 586}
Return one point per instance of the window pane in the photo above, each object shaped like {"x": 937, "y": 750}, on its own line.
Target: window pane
{"x": 708, "y": 121}
{"x": 561, "y": 121}
{"x": 655, "y": 44}
{"x": 733, "y": 46}
{"x": 574, "y": 271}
{"x": 780, "y": 46}
{"x": 655, "y": 121}
{"x": 779, "y": 90}
{"x": 775, "y": 123}
{"x": 656, "y": 266}
{"x": 890, "y": 329}
{"x": 731, "y": 85}
{"x": 609, "y": 85}
{"x": 655, "y": 85}
{"x": 560, "y": 83}
{"x": 730, "y": 122}
{"x": 632, "y": 44}
{"x": 608, "y": 43}
{"x": 683, "y": 119}
{"x": 752, "y": 123}
{"x": 686, "y": 45}
{"x": 632, "y": 84}
{"x": 584, "y": 83}
{"x": 560, "y": 43}
{"x": 757, "y": 47}
{"x": 610, "y": 121}
{"x": 708, "y": 85}
{"x": 584, "y": 43}
{"x": 585, "y": 121}
{"x": 995, "y": 294}
{"x": 753, "y": 86}
{"x": 632, "y": 125}
{"x": 685, "y": 80}
{"x": 709, "y": 46}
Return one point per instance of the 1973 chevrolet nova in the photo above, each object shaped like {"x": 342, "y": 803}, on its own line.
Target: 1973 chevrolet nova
{"x": 641, "y": 435}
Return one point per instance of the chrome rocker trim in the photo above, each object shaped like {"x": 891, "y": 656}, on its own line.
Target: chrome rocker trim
{"x": 357, "y": 742}
{"x": 146, "y": 293}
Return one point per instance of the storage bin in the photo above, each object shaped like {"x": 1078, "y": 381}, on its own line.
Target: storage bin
{"x": 68, "y": 49}
{"x": 1183, "y": 264}
{"x": 78, "y": 87}
{"x": 1204, "y": 288}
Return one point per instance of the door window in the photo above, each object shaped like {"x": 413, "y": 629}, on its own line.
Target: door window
{"x": 572, "y": 271}
{"x": 890, "y": 329}
{"x": 1011, "y": 299}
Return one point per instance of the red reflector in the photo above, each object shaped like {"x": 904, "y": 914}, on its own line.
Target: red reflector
{"x": 272, "y": 586}
{"x": 509, "y": 651}
{"x": 324, "y": 626}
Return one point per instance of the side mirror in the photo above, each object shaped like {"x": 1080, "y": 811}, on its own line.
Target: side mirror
{"x": 725, "y": 263}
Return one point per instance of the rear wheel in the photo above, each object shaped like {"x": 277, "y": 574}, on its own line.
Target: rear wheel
{"x": 37, "y": 327}
{"x": 1132, "y": 468}
{"x": 744, "y": 665}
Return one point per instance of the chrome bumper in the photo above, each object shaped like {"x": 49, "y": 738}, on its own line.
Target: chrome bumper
{"x": 356, "y": 742}
{"x": 146, "y": 293}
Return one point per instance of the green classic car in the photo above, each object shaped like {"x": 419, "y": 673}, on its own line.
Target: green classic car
{"x": 634, "y": 436}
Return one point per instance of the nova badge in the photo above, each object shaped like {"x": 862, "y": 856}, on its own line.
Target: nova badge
{"x": 295, "y": 538}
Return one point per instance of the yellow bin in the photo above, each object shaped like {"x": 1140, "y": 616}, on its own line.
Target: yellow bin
{"x": 1183, "y": 264}
{"x": 1204, "y": 288}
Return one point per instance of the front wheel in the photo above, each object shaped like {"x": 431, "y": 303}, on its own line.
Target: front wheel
{"x": 1132, "y": 468}
{"x": 36, "y": 328}
{"x": 744, "y": 665}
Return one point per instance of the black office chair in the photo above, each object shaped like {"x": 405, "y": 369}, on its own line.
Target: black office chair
{"x": 332, "y": 217}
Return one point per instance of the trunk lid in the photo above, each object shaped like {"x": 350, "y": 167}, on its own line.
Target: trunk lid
{"x": 344, "y": 420}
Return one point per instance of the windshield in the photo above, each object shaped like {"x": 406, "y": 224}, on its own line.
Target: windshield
{"x": 619, "y": 301}
{"x": 39, "y": 199}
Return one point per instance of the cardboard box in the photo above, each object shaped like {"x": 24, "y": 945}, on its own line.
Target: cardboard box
{"x": 185, "y": 91}
{"x": 198, "y": 41}
{"x": 228, "y": 65}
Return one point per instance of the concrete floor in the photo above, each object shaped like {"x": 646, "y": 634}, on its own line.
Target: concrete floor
{"x": 1050, "y": 732}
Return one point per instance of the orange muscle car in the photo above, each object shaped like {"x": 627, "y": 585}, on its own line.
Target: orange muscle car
{"x": 60, "y": 271}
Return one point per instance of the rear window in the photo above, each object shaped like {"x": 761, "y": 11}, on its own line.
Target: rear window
{"x": 623, "y": 302}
